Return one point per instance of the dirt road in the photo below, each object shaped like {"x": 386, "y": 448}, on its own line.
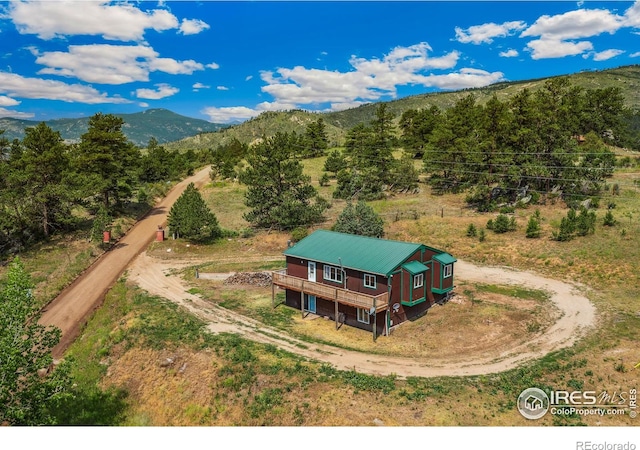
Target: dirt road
{"x": 70, "y": 310}
{"x": 578, "y": 314}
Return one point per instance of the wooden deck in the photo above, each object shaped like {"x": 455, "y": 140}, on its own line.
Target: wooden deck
{"x": 343, "y": 296}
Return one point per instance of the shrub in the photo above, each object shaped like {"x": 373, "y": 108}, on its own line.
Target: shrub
{"x": 482, "y": 236}
{"x": 359, "y": 219}
{"x": 299, "y": 233}
{"x": 324, "y": 179}
{"x": 503, "y": 224}
{"x": 490, "y": 224}
{"x": 471, "y": 230}
{"x": 609, "y": 220}
{"x": 533, "y": 228}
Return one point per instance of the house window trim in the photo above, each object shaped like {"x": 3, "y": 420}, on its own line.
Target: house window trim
{"x": 369, "y": 286}
{"x": 326, "y": 274}
{"x": 363, "y": 313}
{"x": 447, "y": 271}
{"x": 416, "y": 277}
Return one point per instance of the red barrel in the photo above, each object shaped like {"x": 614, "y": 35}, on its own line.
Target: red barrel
{"x": 160, "y": 235}
{"x": 106, "y": 237}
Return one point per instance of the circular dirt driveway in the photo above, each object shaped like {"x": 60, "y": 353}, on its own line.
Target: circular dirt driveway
{"x": 577, "y": 315}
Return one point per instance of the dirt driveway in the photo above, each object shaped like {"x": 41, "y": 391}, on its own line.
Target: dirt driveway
{"x": 578, "y": 315}
{"x": 70, "y": 310}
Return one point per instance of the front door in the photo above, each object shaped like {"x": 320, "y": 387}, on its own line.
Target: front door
{"x": 312, "y": 271}
{"x": 311, "y": 303}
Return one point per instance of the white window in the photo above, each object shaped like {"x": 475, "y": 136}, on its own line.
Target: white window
{"x": 332, "y": 273}
{"x": 369, "y": 281}
{"x": 418, "y": 280}
{"x": 363, "y": 315}
{"x": 447, "y": 270}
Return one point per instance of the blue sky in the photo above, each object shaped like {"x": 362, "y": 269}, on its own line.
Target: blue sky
{"x": 229, "y": 61}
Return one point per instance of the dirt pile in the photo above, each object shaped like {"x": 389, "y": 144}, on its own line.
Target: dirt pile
{"x": 262, "y": 279}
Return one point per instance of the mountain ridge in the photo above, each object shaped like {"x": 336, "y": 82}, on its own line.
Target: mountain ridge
{"x": 162, "y": 124}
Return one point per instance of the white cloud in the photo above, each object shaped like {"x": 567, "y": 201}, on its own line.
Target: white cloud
{"x": 193, "y": 26}
{"x": 634, "y": 55}
{"x": 485, "y": 33}
{"x": 174, "y": 67}
{"x": 465, "y": 78}
{"x": 163, "y": 90}
{"x": 22, "y": 87}
{"x": 213, "y": 66}
{"x": 511, "y": 53}
{"x": 229, "y": 114}
{"x": 632, "y": 16}
{"x": 578, "y": 24}
{"x": 8, "y": 101}
{"x": 222, "y": 88}
{"x": 111, "y": 64}
{"x": 143, "y": 105}
{"x": 120, "y": 21}
{"x": 607, "y": 54}
{"x": 248, "y": 77}
{"x": 197, "y": 86}
{"x": 15, "y": 114}
{"x": 370, "y": 80}
{"x": 551, "y": 48}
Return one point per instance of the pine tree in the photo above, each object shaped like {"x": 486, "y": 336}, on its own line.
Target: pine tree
{"x": 533, "y": 228}
{"x": 359, "y": 219}
{"x": 279, "y": 195}
{"x": 335, "y": 162}
{"x": 609, "y": 220}
{"x": 191, "y": 218}
{"x": 315, "y": 138}
{"x": 106, "y": 160}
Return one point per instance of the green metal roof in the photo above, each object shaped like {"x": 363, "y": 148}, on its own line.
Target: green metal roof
{"x": 444, "y": 258}
{"x": 366, "y": 254}
{"x": 415, "y": 267}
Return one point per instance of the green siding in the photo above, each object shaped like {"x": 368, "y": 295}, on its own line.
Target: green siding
{"x": 376, "y": 256}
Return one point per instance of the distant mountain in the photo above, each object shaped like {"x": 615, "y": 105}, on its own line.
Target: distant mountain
{"x": 162, "y": 124}
{"x": 338, "y": 123}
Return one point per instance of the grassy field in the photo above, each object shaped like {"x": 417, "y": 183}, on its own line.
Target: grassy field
{"x": 145, "y": 362}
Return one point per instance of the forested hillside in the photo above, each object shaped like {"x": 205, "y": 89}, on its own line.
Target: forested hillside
{"x": 627, "y": 79}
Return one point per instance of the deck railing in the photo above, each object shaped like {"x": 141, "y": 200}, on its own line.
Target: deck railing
{"x": 344, "y": 296}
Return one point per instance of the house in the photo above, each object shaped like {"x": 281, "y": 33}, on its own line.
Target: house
{"x": 373, "y": 284}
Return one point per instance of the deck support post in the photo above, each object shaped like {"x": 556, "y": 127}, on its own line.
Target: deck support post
{"x": 336, "y": 313}
{"x": 302, "y": 302}
{"x": 375, "y": 325}
{"x": 273, "y": 295}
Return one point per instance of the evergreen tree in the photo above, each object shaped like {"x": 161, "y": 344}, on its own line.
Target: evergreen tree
{"x": 191, "y": 218}
{"x": 106, "y": 160}
{"x": 533, "y": 228}
{"x": 278, "y": 194}
{"x": 44, "y": 170}
{"x": 335, "y": 162}
{"x": 359, "y": 219}
{"x": 26, "y": 398}
{"x": 609, "y": 220}
{"x": 316, "y": 139}
{"x": 417, "y": 126}
{"x": 382, "y": 138}
{"x": 585, "y": 222}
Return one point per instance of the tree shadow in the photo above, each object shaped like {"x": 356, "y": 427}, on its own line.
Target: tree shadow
{"x": 93, "y": 407}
